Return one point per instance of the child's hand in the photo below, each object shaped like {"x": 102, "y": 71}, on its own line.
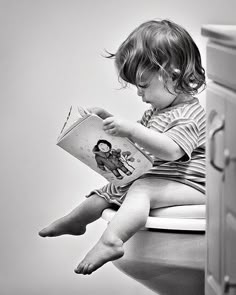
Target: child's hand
{"x": 102, "y": 113}
{"x": 117, "y": 127}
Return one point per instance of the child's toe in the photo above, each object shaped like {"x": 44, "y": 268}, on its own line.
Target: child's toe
{"x": 43, "y": 233}
{"x": 90, "y": 269}
{"x": 79, "y": 268}
{"x": 85, "y": 269}
{"x": 47, "y": 232}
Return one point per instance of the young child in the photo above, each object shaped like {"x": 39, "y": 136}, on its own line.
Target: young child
{"x": 163, "y": 62}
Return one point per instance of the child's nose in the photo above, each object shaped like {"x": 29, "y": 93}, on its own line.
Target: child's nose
{"x": 139, "y": 91}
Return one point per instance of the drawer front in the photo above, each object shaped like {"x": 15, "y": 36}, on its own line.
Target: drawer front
{"x": 221, "y": 64}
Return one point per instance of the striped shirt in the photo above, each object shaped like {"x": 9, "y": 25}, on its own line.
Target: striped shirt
{"x": 185, "y": 124}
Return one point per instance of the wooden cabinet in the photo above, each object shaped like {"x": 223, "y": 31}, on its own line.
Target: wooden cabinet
{"x": 221, "y": 160}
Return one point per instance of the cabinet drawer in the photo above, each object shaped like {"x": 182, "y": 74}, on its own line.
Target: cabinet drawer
{"x": 221, "y": 64}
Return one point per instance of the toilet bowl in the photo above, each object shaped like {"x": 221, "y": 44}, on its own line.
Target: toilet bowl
{"x": 168, "y": 254}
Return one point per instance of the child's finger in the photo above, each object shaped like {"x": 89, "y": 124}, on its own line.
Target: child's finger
{"x": 108, "y": 126}
{"x": 111, "y": 131}
{"x": 108, "y": 121}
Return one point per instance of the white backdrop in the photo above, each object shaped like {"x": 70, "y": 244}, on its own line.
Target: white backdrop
{"x": 51, "y": 57}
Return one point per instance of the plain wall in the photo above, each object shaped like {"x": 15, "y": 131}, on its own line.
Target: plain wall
{"x": 51, "y": 57}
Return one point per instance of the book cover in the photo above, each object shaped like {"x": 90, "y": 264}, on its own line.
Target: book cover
{"x": 117, "y": 159}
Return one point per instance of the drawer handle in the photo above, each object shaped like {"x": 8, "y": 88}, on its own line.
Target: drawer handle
{"x": 228, "y": 285}
{"x": 212, "y": 145}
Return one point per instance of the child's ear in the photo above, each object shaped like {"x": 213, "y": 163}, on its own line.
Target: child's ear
{"x": 175, "y": 73}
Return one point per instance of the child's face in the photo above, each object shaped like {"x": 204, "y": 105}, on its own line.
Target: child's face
{"x": 103, "y": 147}
{"x": 155, "y": 93}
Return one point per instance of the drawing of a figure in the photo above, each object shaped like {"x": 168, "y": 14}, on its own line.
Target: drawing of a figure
{"x": 110, "y": 159}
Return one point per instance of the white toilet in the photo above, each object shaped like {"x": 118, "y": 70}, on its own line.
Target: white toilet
{"x": 168, "y": 255}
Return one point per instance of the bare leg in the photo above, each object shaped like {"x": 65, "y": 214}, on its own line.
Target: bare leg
{"x": 75, "y": 222}
{"x": 143, "y": 195}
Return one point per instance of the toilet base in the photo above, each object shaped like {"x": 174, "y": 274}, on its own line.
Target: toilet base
{"x": 168, "y": 263}
{"x": 168, "y": 280}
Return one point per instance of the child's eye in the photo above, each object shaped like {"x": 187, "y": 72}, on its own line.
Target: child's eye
{"x": 143, "y": 85}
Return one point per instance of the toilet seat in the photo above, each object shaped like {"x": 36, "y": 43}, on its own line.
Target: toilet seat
{"x": 184, "y": 211}
{"x": 178, "y": 218}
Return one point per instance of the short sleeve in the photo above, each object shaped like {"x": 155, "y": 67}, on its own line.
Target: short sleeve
{"x": 185, "y": 132}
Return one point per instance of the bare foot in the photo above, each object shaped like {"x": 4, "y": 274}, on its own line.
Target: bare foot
{"x": 101, "y": 253}
{"x": 63, "y": 226}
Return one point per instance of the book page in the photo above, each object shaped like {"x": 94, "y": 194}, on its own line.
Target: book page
{"x": 116, "y": 158}
{"x": 75, "y": 115}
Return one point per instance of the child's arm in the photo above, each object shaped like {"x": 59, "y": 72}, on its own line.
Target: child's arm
{"x": 154, "y": 142}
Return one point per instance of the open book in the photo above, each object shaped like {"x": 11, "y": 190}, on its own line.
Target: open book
{"x": 117, "y": 159}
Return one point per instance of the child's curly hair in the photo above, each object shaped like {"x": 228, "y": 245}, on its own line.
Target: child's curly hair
{"x": 163, "y": 47}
